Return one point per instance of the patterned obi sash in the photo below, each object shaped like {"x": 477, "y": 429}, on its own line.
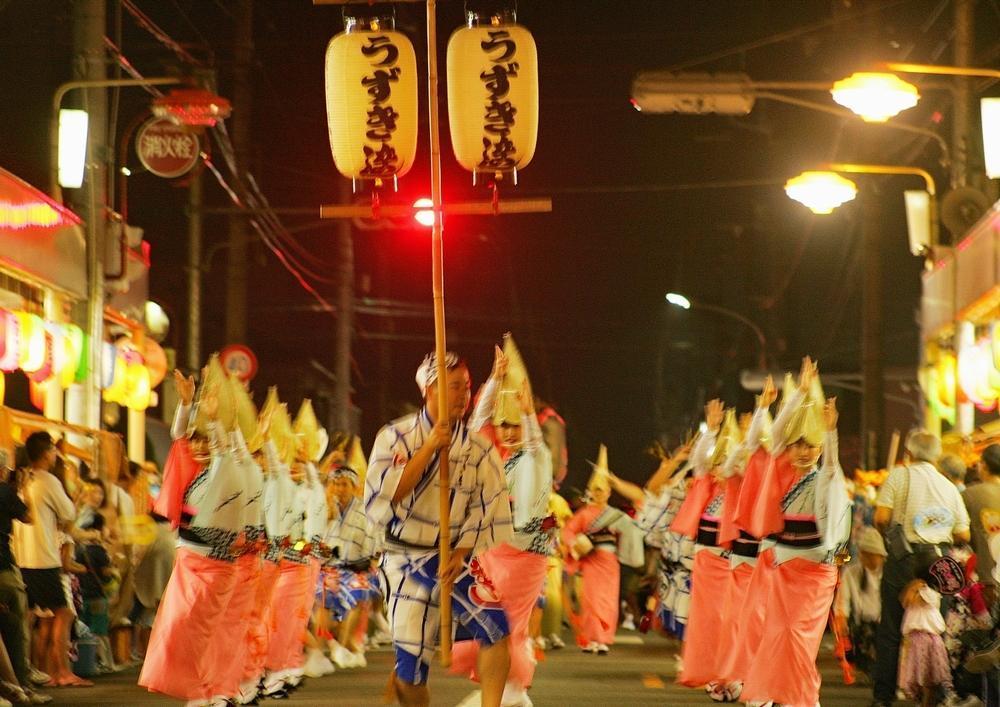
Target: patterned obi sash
{"x": 708, "y": 531}
{"x": 746, "y": 545}
{"x": 800, "y": 532}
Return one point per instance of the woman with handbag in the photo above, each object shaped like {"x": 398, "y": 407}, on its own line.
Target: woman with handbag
{"x": 921, "y": 514}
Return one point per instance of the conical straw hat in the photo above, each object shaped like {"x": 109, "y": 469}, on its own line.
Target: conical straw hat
{"x": 508, "y": 407}
{"x": 216, "y": 382}
{"x": 246, "y": 412}
{"x": 727, "y": 440}
{"x": 311, "y": 437}
{"x": 600, "y": 477}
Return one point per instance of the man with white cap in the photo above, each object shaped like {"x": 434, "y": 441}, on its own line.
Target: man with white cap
{"x": 402, "y": 498}
{"x": 858, "y": 606}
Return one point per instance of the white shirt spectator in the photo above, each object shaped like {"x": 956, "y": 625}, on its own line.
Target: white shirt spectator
{"x": 36, "y": 544}
{"x": 928, "y": 488}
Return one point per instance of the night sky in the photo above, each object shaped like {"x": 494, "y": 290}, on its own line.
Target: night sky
{"x": 643, "y": 205}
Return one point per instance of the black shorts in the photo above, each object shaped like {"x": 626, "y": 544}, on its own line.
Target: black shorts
{"x": 44, "y": 587}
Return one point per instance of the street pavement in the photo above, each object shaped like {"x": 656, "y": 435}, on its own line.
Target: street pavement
{"x": 640, "y": 670}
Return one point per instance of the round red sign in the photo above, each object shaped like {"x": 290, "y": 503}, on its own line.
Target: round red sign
{"x": 239, "y": 361}
{"x": 166, "y": 149}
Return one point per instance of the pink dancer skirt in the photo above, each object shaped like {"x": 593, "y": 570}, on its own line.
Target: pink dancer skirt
{"x": 798, "y": 606}
{"x": 518, "y": 577}
{"x": 259, "y": 625}
{"x": 740, "y": 595}
{"x": 704, "y": 634}
{"x": 289, "y": 615}
{"x": 230, "y": 644}
{"x": 599, "y": 602}
{"x": 197, "y": 594}
{"x": 749, "y": 621}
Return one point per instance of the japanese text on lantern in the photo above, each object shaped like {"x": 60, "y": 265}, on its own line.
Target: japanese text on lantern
{"x": 382, "y": 54}
{"x": 499, "y": 115}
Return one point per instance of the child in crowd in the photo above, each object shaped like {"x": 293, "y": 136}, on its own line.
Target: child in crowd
{"x": 97, "y": 583}
{"x": 923, "y": 664}
{"x": 858, "y": 606}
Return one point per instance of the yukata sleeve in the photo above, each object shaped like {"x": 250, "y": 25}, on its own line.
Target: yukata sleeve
{"x": 385, "y": 469}
{"x": 834, "y": 511}
{"x": 179, "y": 427}
{"x": 532, "y": 435}
{"x": 488, "y": 519}
{"x": 485, "y": 402}
{"x": 217, "y": 441}
{"x": 239, "y": 445}
{"x": 531, "y": 486}
{"x": 702, "y": 452}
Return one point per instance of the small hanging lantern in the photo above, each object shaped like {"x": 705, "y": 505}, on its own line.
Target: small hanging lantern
{"x": 34, "y": 348}
{"x": 137, "y": 385}
{"x": 10, "y": 347}
{"x": 493, "y": 94}
{"x": 371, "y": 100}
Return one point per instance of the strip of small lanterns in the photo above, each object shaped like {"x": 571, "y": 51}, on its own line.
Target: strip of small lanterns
{"x": 51, "y": 351}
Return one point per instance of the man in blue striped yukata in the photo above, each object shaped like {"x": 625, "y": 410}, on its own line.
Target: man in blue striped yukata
{"x": 402, "y": 498}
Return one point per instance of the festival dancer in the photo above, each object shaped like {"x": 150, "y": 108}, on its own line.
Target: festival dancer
{"x": 232, "y": 637}
{"x": 343, "y": 588}
{"x": 402, "y": 497}
{"x": 804, "y": 512}
{"x": 700, "y": 518}
{"x": 549, "y": 628}
{"x": 597, "y": 538}
{"x": 505, "y": 412}
{"x": 259, "y": 624}
{"x": 203, "y": 494}
{"x": 288, "y": 614}
{"x": 658, "y": 503}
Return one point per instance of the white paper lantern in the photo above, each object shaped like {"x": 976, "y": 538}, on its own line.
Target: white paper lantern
{"x": 493, "y": 97}
{"x": 371, "y": 103}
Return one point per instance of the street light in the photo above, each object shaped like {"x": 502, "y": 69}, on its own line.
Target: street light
{"x": 874, "y": 96}
{"x": 824, "y": 190}
{"x": 821, "y": 192}
{"x": 679, "y": 300}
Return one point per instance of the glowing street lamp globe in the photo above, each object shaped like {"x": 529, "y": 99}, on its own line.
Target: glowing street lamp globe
{"x": 821, "y": 192}
{"x": 875, "y": 97}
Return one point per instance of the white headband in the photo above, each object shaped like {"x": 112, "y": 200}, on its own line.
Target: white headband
{"x": 427, "y": 373}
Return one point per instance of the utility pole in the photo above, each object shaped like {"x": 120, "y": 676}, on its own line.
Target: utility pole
{"x": 237, "y": 262}
{"x": 195, "y": 202}
{"x": 873, "y": 383}
{"x": 344, "y": 331}
{"x": 89, "y": 28}
{"x": 961, "y": 126}
{"x": 873, "y": 406}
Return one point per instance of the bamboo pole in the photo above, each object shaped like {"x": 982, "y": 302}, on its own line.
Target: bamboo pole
{"x": 440, "y": 347}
